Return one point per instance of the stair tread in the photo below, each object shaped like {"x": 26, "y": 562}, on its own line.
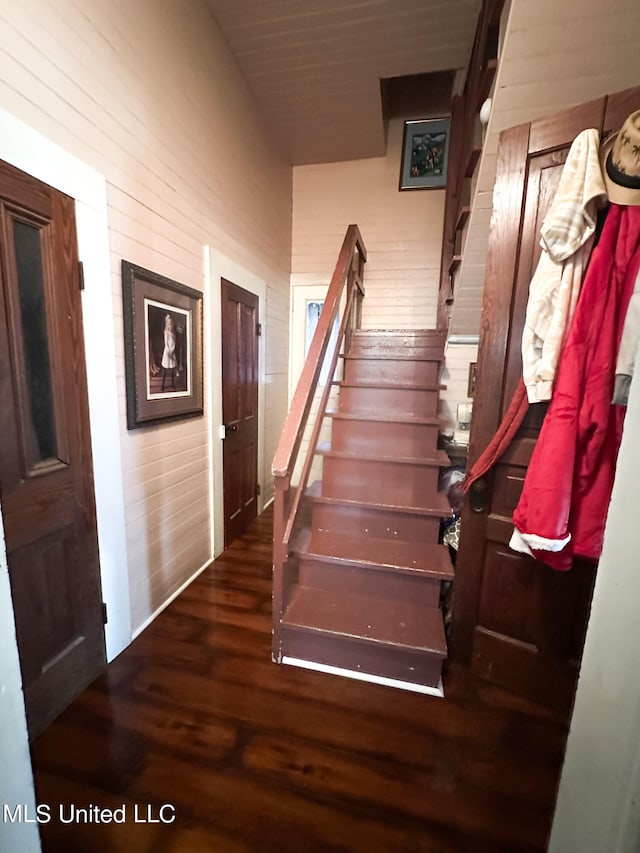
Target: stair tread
{"x": 394, "y": 498}
{"x": 384, "y": 417}
{"x": 413, "y": 558}
{"x": 392, "y": 386}
{"x": 435, "y": 333}
{"x": 440, "y": 458}
{"x": 365, "y": 618}
{"x": 439, "y": 506}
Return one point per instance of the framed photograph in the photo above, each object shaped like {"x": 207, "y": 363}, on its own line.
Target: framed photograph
{"x": 162, "y": 347}
{"x": 425, "y": 153}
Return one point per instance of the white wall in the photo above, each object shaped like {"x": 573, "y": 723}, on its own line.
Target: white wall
{"x": 16, "y": 779}
{"x": 149, "y": 96}
{"x": 401, "y": 230}
{"x": 598, "y": 807}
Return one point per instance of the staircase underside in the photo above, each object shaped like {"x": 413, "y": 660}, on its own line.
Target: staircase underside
{"x": 367, "y": 570}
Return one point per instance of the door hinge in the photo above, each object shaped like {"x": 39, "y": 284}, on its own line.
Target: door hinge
{"x": 105, "y": 618}
{"x": 258, "y": 490}
{"x": 258, "y": 329}
{"x": 81, "y": 275}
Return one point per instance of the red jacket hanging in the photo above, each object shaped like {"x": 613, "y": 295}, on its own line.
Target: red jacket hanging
{"x": 565, "y": 498}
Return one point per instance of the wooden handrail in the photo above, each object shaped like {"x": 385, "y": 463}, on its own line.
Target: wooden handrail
{"x": 348, "y": 274}
{"x": 289, "y": 444}
{"x": 313, "y": 440}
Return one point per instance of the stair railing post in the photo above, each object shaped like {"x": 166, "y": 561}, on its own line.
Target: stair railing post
{"x": 360, "y": 291}
{"x": 279, "y": 559}
{"x": 352, "y": 309}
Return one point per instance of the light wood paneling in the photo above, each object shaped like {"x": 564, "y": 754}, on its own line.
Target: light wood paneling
{"x": 150, "y": 96}
{"x": 402, "y": 232}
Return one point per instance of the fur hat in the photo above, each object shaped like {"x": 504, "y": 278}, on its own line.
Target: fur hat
{"x": 620, "y": 158}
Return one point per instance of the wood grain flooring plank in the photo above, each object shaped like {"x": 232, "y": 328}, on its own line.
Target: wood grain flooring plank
{"x": 260, "y": 757}
{"x": 59, "y": 837}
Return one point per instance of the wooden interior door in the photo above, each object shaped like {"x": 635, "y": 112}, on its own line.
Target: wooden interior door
{"x": 518, "y": 622}
{"x": 240, "y": 332}
{"x": 46, "y": 479}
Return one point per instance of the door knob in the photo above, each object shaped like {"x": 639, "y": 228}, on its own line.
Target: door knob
{"x": 231, "y": 427}
{"x": 479, "y": 496}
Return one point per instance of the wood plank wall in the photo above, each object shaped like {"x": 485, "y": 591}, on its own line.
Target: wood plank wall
{"x": 554, "y": 56}
{"x": 402, "y": 232}
{"x": 149, "y": 95}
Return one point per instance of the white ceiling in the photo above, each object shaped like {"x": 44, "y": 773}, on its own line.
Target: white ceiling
{"x": 315, "y": 65}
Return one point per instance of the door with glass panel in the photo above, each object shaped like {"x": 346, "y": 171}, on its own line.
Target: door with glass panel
{"x": 46, "y": 480}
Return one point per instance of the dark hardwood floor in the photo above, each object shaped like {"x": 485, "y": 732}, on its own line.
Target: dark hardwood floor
{"x": 258, "y": 757}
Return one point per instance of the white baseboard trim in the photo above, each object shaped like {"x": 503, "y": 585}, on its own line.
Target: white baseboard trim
{"x": 365, "y": 676}
{"x": 171, "y": 598}
{"x": 180, "y": 589}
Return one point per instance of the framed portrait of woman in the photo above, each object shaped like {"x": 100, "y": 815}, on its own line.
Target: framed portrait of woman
{"x": 163, "y": 347}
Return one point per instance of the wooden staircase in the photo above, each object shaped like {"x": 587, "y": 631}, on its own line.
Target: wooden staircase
{"x": 365, "y": 565}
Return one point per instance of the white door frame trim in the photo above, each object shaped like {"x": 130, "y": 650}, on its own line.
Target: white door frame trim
{"x": 219, "y": 267}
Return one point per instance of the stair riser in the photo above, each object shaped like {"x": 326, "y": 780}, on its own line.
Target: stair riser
{"x": 363, "y": 480}
{"x": 391, "y": 370}
{"x": 394, "y": 351}
{"x": 384, "y": 438}
{"x": 361, "y": 580}
{"x": 384, "y": 661}
{"x": 408, "y": 337}
{"x": 415, "y": 344}
{"x": 397, "y": 400}
{"x": 387, "y": 524}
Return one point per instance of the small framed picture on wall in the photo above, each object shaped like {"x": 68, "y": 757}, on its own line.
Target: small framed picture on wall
{"x": 425, "y": 154}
